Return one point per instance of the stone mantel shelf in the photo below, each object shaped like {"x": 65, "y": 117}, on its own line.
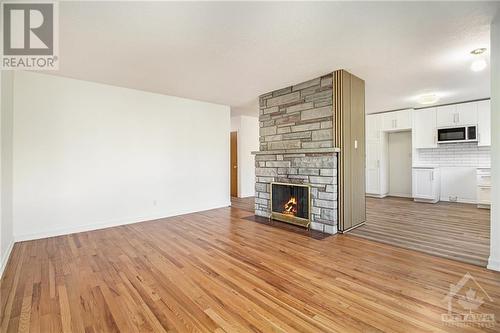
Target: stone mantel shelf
{"x": 298, "y": 151}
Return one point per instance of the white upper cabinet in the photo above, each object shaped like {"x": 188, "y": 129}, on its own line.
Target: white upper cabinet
{"x": 397, "y": 120}
{"x": 424, "y": 128}
{"x": 446, "y": 115}
{"x": 373, "y": 126}
{"x": 484, "y": 123}
{"x": 389, "y": 121}
{"x": 404, "y": 119}
{"x": 467, "y": 113}
{"x": 457, "y": 115}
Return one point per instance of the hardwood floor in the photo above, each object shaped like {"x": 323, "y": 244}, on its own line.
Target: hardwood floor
{"x": 215, "y": 271}
{"x": 451, "y": 230}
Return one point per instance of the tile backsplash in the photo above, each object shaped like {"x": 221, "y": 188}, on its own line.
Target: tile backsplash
{"x": 454, "y": 155}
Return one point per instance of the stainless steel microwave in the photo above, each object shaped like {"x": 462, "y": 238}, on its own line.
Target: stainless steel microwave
{"x": 457, "y": 134}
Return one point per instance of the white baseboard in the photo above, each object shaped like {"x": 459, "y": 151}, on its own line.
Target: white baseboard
{"x": 5, "y": 258}
{"x": 103, "y": 225}
{"x": 380, "y": 196}
{"x": 242, "y": 196}
{"x": 494, "y": 264}
{"x": 401, "y": 195}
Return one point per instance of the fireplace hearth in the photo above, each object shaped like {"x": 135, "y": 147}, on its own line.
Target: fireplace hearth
{"x": 291, "y": 203}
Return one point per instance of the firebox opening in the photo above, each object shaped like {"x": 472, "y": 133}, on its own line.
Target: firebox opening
{"x": 290, "y": 203}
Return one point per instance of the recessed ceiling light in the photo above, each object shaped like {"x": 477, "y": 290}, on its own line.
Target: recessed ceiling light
{"x": 428, "y": 99}
{"x": 478, "y": 65}
{"x": 478, "y": 51}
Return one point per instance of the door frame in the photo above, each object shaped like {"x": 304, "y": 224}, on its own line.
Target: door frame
{"x": 233, "y": 164}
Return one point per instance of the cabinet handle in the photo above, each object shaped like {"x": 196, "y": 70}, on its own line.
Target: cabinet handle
{"x": 458, "y": 117}
{"x": 432, "y": 176}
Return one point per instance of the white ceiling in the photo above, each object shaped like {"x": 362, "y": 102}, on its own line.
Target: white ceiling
{"x": 229, "y": 53}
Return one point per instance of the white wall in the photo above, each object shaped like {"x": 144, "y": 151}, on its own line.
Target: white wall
{"x": 494, "y": 261}
{"x": 248, "y": 141}
{"x": 88, "y": 155}
{"x": 6, "y": 121}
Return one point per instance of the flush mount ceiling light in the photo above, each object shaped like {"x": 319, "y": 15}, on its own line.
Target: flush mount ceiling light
{"x": 478, "y": 51}
{"x": 479, "y": 64}
{"x": 428, "y": 99}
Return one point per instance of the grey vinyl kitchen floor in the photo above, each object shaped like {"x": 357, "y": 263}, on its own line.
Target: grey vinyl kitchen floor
{"x": 451, "y": 230}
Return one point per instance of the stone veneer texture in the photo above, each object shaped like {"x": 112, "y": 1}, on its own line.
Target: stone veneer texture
{"x": 294, "y": 118}
{"x": 297, "y": 117}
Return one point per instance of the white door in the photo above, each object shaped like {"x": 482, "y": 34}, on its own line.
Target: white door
{"x": 484, "y": 123}
{"x": 423, "y": 180}
{"x": 466, "y": 114}
{"x": 372, "y": 167}
{"x": 424, "y": 128}
{"x": 400, "y": 163}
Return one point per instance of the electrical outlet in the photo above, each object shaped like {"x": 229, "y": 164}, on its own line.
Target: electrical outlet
{"x": 453, "y": 198}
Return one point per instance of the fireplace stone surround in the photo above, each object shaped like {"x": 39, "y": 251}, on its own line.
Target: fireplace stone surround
{"x": 296, "y": 146}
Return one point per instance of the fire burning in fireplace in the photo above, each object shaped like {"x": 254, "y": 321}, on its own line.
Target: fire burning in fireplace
{"x": 290, "y": 207}
{"x": 290, "y": 203}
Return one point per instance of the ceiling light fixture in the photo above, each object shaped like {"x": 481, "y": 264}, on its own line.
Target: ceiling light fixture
{"x": 428, "y": 99}
{"x": 478, "y": 51}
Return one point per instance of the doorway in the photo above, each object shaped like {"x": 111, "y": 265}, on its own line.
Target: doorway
{"x": 400, "y": 164}
{"x": 234, "y": 164}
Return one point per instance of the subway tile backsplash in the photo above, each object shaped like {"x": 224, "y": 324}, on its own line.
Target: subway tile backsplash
{"x": 455, "y": 155}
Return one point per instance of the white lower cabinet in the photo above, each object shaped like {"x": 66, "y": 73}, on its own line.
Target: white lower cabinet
{"x": 426, "y": 184}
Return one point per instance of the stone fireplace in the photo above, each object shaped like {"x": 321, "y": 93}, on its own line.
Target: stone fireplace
{"x": 296, "y": 148}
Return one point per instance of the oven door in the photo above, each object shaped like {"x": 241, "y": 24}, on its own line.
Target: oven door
{"x": 454, "y": 134}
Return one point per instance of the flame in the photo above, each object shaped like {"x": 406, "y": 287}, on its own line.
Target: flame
{"x": 291, "y": 206}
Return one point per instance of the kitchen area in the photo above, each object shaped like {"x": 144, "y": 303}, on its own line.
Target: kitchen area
{"x": 428, "y": 179}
